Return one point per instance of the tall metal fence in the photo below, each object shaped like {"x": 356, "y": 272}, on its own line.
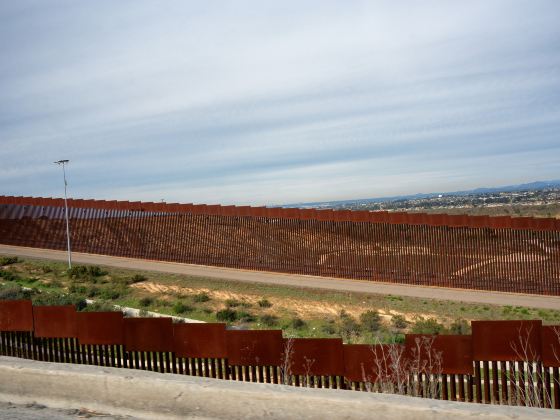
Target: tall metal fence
{"x": 519, "y": 255}
{"x": 502, "y": 362}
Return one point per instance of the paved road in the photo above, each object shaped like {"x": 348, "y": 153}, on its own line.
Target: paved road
{"x": 473, "y": 296}
{"x": 9, "y": 411}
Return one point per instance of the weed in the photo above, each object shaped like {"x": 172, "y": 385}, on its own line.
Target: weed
{"x": 371, "y": 321}
{"x": 8, "y": 260}
{"x": 297, "y": 323}
{"x": 226, "y": 315}
{"x": 399, "y": 322}
{"x": 232, "y": 303}
{"x": 146, "y": 301}
{"x": 269, "y": 320}
{"x": 201, "y": 297}
{"x": 181, "y": 308}
{"x": 264, "y": 303}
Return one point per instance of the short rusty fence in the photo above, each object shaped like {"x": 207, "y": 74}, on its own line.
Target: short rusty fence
{"x": 502, "y": 362}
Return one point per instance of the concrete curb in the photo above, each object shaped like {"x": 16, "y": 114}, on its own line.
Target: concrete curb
{"x": 152, "y": 395}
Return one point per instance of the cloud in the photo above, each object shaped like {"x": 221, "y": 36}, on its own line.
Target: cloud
{"x": 249, "y": 102}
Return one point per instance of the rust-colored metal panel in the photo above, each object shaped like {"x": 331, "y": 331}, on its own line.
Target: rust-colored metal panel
{"x": 99, "y": 328}
{"x": 16, "y": 315}
{"x": 521, "y": 222}
{"x": 550, "y": 339}
{"x": 148, "y": 334}
{"x": 506, "y": 340}
{"x": 452, "y": 353}
{"x": 55, "y": 321}
{"x": 200, "y": 340}
{"x": 254, "y": 347}
{"x": 366, "y": 362}
{"x": 316, "y": 356}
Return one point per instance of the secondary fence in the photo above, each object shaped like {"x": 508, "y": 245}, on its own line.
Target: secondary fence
{"x": 520, "y": 255}
{"x": 503, "y": 362}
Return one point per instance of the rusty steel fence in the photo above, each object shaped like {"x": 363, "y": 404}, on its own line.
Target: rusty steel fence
{"x": 502, "y": 362}
{"x": 520, "y": 255}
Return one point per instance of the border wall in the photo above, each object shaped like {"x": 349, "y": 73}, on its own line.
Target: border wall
{"x": 520, "y": 255}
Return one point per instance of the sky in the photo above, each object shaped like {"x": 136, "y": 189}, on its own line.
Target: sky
{"x": 271, "y": 102}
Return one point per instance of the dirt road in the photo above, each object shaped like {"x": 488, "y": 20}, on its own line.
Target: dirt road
{"x": 473, "y": 296}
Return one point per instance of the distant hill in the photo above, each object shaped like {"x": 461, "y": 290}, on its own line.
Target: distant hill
{"x": 531, "y": 186}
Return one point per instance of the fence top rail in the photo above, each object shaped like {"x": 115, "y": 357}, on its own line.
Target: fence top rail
{"x": 395, "y": 218}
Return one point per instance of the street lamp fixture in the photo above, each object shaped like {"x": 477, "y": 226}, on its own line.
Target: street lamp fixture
{"x": 63, "y": 163}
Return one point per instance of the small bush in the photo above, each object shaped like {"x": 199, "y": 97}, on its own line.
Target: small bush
{"x": 13, "y": 292}
{"x": 399, "y": 322}
{"x": 245, "y": 316}
{"x": 109, "y": 294}
{"x": 8, "y": 275}
{"x": 232, "y": 303}
{"x": 92, "y": 292}
{"x": 348, "y": 325}
{"x": 146, "y": 301}
{"x": 264, "y": 303}
{"x": 269, "y": 320}
{"x": 46, "y": 269}
{"x": 297, "y": 323}
{"x": 137, "y": 278}
{"x": 54, "y": 299}
{"x": 181, "y": 308}
{"x": 8, "y": 260}
{"x": 371, "y": 321}
{"x": 74, "y": 288}
{"x": 329, "y": 327}
{"x": 460, "y": 326}
{"x": 85, "y": 272}
{"x": 226, "y": 315}
{"x": 427, "y": 326}
{"x": 201, "y": 297}
{"x": 100, "y": 307}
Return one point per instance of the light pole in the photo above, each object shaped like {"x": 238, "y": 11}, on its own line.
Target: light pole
{"x": 63, "y": 163}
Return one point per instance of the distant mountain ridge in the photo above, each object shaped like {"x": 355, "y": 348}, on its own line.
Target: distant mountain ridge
{"x": 536, "y": 185}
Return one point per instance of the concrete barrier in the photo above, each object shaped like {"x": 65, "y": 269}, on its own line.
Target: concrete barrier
{"x": 153, "y": 395}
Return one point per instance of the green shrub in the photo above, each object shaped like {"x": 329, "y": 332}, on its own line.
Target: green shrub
{"x": 8, "y": 275}
{"x": 92, "y": 292}
{"x": 297, "y": 323}
{"x": 427, "y": 326}
{"x": 264, "y": 303}
{"x": 77, "y": 289}
{"x": 84, "y": 272}
{"x": 137, "y": 278}
{"x": 461, "y": 327}
{"x": 13, "y": 292}
{"x": 226, "y": 315}
{"x": 46, "y": 269}
{"x": 146, "y": 301}
{"x": 53, "y": 299}
{"x": 371, "y": 321}
{"x": 348, "y": 325}
{"x": 181, "y": 308}
{"x": 8, "y": 260}
{"x": 245, "y": 316}
{"x": 329, "y": 327}
{"x": 399, "y": 322}
{"x": 109, "y": 294}
{"x": 269, "y": 320}
{"x": 100, "y": 307}
{"x": 201, "y": 297}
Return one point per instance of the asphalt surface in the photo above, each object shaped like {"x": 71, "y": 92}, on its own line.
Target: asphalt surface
{"x": 360, "y": 286}
{"x": 9, "y": 411}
